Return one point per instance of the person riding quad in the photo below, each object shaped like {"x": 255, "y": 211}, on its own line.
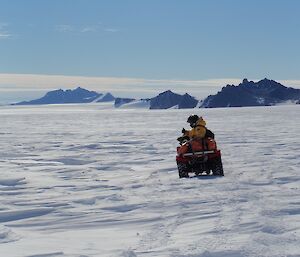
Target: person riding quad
{"x": 198, "y": 130}
{"x": 198, "y": 152}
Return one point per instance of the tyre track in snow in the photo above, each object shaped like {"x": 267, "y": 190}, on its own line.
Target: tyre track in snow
{"x": 155, "y": 196}
{"x": 229, "y": 214}
{"x": 160, "y": 233}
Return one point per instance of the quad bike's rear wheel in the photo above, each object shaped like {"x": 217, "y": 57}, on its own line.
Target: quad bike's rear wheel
{"x": 217, "y": 167}
{"x": 182, "y": 170}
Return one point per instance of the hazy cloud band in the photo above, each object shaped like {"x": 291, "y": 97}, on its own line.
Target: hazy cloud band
{"x": 34, "y": 84}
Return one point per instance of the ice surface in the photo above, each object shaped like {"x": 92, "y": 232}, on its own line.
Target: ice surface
{"x": 90, "y": 180}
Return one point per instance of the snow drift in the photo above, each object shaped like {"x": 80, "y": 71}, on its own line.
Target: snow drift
{"x": 74, "y": 182}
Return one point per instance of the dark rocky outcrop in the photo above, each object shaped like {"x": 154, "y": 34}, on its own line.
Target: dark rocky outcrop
{"x": 187, "y": 101}
{"x": 120, "y": 101}
{"x": 106, "y": 98}
{"x": 169, "y": 99}
{"x": 248, "y": 93}
{"x": 78, "y": 95}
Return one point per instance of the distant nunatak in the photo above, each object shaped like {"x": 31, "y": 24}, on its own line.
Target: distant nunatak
{"x": 248, "y": 93}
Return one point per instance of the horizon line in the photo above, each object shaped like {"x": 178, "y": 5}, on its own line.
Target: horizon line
{"x": 33, "y": 85}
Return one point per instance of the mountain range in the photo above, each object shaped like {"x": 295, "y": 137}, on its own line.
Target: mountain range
{"x": 164, "y": 100}
{"x": 78, "y": 95}
{"x": 248, "y": 93}
{"x": 168, "y": 99}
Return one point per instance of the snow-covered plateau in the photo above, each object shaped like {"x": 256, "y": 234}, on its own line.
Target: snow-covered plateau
{"x": 88, "y": 180}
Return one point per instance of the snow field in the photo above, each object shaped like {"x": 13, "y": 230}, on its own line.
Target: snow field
{"x": 83, "y": 180}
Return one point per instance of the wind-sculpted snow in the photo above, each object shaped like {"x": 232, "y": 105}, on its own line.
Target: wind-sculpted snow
{"x": 80, "y": 180}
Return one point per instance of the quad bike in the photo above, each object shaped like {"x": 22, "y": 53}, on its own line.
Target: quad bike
{"x": 199, "y": 156}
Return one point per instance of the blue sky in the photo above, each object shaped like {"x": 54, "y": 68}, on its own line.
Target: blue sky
{"x": 151, "y": 39}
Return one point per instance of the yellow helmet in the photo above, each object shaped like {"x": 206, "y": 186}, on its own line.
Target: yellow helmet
{"x": 201, "y": 122}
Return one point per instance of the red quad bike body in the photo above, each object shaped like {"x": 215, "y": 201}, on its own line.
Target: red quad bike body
{"x": 199, "y": 156}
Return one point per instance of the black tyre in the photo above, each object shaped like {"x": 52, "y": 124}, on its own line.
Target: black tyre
{"x": 182, "y": 170}
{"x": 217, "y": 167}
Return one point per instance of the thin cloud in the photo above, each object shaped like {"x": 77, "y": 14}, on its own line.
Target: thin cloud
{"x": 64, "y": 28}
{"x": 4, "y": 34}
{"x": 14, "y": 84}
{"x": 138, "y": 86}
{"x": 88, "y": 29}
